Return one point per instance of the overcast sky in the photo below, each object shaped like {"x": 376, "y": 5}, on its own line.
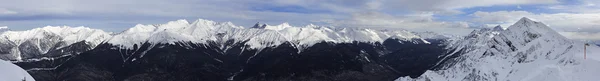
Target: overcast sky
{"x": 576, "y": 19}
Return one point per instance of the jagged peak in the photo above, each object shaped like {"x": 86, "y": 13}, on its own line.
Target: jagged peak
{"x": 3, "y": 27}
{"x": 527, "y": 25}
{"x": 66, "y": 34}
{"x": 525, "y": 20}
{"x": 498, "y": 28}
{"x": 257, "y": 25}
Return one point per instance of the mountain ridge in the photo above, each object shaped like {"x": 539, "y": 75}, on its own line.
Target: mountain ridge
{"x": 200, "y": 31}
{"x": 524, "y": 51}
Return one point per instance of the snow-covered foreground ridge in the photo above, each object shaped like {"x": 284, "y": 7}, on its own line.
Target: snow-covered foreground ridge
{"x": 11, "y": 72}
{"x": 525, "y": 51}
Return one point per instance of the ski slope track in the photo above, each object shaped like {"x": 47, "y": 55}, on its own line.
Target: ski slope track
{"x": 525, "y": 51}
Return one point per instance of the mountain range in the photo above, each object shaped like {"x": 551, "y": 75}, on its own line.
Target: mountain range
{"x": 221, "y": 51}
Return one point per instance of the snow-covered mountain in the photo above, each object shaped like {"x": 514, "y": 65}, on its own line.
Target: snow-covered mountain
{"x": 208, "y": 50}
{"x": 217, "y": 51}
{"x": 12, "y": 72}
{"x": 525, "y": 51}
{"x": 36, "y": 43}
{"x": 260, "y": 36}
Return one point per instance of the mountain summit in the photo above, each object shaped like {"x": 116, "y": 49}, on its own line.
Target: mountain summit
{"x": 525, "y": 51}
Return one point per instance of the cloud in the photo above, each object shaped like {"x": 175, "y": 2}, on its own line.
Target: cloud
{"x": 157, "y": 11}
{"x": 572, "y": 25}
{"x": 413, "y": 22}
{"x": 6, "y": 12}
{"x": 416, "y": 15}
{"x": 499, "y": 16}
{"x": 453, "y": 6}
{"x": 577, "y": 6}
{"x": 582, "y": 35}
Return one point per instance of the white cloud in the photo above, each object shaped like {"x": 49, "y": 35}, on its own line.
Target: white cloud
{"x": 451, "y": 6}
{"x": 499, "y": 16}
{"x": 6, "y": 12}
{"x": 578, "y": 6}
{"x": 569, "y": 24}
{"x": 582, "y": 35}
{"x": 160, "y": 11}
{"x": 414, "y": 15}
{"x": 413, "y": 22}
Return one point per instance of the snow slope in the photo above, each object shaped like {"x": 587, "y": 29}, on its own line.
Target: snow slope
{"x": 11, "y": 72}
{"x": 525, "y": 51}
{"x": 205, "y": 31}
{"x": 41, "y": 40}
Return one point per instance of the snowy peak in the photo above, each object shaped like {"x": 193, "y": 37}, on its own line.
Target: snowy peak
{"x": 525, "y": 51}
{"x": 17, "y": 45}
{"x": 257, "y": 25}
{"x": 485, "y": 33}
{"x": 203, "y": 31}
{"x": 526, "y": 31}
{"x": 65, "y": 33}
{"x": 199, "y": 31}
{"x": 527, "y": 25}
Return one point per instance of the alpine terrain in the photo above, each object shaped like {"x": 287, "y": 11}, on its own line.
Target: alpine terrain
{"x": 205, "y": 50}
{"x": 220, "y": 51}
{"x": 525, "y": 51}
